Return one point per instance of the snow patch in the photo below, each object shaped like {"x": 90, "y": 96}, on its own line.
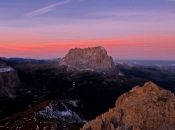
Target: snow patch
{"x": 73, "y": 86}
{"x": 73, "y": 103}
{"x": 65, "y": 113}
{"x": 7, "y": 69}
{"x": 55, "y": 111}
{"x": 29, "y": 91}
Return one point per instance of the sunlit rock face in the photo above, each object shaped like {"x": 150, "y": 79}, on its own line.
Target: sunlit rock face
{"x": 143, "y": 108}
{"x": 93, "y": 58}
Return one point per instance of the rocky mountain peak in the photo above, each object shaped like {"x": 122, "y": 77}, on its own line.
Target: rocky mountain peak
{"x": 143, "y": 108}
{"x": 95, "y": 58}
{"x": 149, "y": 91}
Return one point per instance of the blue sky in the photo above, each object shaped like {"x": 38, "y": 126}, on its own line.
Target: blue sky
{"x": 85, "y": 9}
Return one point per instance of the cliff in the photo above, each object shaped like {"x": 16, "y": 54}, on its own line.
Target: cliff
{"x": 94, "y": 58}
{"x": 143, "y": 108}
{"x": 9, "y": 82}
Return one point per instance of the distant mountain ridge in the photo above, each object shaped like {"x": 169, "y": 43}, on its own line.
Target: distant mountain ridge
{"x": 35, "y": 61}
{"x": 169, "y": 63}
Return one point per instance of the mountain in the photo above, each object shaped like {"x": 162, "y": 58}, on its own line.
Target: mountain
{"x": 143, "y": 108}
{"x": 49, "y": 81}
{"x": 93, "y": 58}
{"x": 96, "y": 89}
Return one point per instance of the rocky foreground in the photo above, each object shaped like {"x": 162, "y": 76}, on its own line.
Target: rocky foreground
{"x": 143, "y": 108}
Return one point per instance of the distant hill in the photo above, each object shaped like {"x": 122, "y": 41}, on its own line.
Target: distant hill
{"x": 148, "y": 62}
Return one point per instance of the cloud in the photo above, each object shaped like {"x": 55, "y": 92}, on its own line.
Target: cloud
{"x": 150, "y": 15}
{"x": 46, "y": 9}
{"x": 120, "y": 13}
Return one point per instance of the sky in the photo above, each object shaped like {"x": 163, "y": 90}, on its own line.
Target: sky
{"x": 128, "y": 29}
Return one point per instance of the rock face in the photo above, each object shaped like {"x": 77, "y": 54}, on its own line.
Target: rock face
{"x": 95, "y": 58}
{"x": 143, "y": 108}
{"x": 9, "y": 81}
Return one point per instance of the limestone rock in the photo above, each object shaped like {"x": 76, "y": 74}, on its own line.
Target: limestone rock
{"x": 143, "y": 108}
{"x": 95, "y": 58}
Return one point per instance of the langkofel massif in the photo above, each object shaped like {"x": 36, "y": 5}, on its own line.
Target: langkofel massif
{"x": 94, "y": 58}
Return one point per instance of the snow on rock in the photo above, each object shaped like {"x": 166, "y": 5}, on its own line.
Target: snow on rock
{"x": 73, "y": 86}
{"x": 61, "y": 111}
{"x": 128, "y": 64}
{"x": 73, "y": 103}
{"x": 7, "y": 69}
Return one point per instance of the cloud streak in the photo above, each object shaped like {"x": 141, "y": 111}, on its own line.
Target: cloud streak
{"x": 46, "y": 9}
{"x": 120, "y": 13}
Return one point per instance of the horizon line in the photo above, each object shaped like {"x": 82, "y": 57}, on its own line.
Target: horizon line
{"x": 113, "y": 59}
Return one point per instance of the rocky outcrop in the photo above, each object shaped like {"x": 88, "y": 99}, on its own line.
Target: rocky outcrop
{"x": 143, "y": 108}
{"x": 95, "y": 58}
{"x": 9, "y": 82}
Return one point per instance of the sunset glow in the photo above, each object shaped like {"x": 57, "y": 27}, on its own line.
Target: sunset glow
{"x": 48, "y": 29}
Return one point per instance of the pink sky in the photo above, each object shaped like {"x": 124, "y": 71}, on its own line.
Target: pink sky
{"x": 135, "y": 47}
{"x": 127, "y": 29}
